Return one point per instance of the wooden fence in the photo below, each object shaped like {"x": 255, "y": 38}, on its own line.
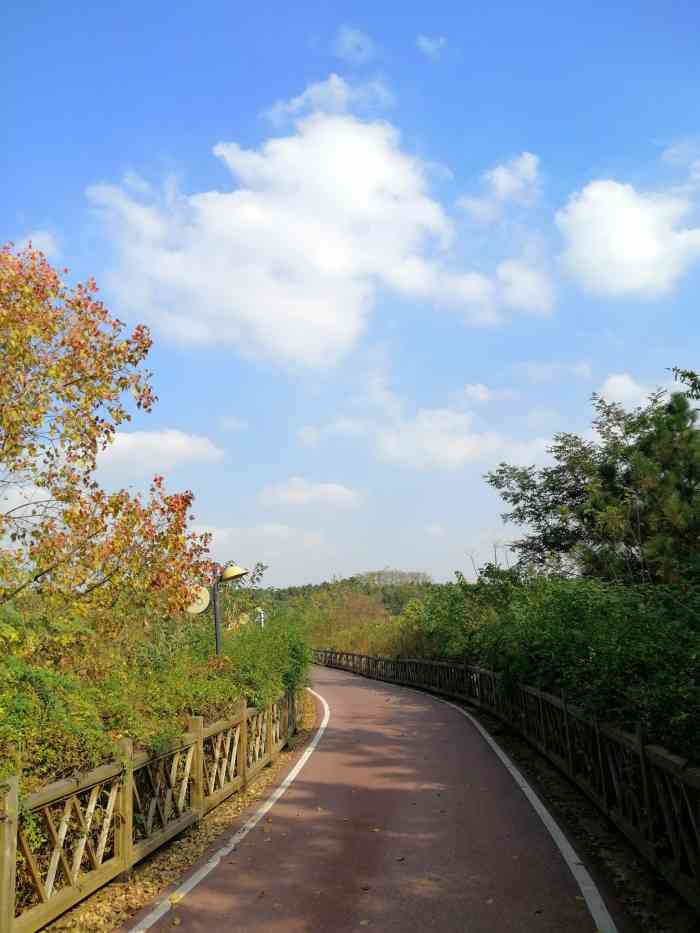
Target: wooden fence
{"x": 70, "y": 838}
{"x": 648, "y": 793}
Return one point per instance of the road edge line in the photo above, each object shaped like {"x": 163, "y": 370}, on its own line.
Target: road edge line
{"x": 166, "y": 905}
{"x": 589, "y": 889}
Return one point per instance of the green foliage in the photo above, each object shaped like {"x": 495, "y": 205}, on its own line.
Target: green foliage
{"x": 625, "y": 654}
{"x": 626, "y": 509}
{"x": 55, "y": 720}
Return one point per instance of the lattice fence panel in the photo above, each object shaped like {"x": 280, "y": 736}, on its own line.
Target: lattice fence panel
{"x": 60, "y": 843}
{"x": 675, "y": 827}
{"x": 161, "y": 792}
{"x": 280, "y": 714}
{"x": 555, "y": 729}
{"x": 585, "y": 755}
{"x": 257, "y": 736}
{"x": 221, "y": 759}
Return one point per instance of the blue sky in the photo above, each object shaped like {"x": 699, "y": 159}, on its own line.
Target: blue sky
{"x": 379, "y": 251}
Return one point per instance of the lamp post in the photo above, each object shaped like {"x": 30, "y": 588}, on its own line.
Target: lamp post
{"x": 230, "y": 572}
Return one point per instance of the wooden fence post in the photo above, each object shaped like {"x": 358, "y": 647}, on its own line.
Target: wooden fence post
{"x": 195, "y": 725}
{"x": 601, "y": 764}
{"x": 268, "y": 733}
{"x": 639, "y": 734}
{"x": 292, "y": 718}
{"x": 567, "y": 735}
{"x": 125, "y": 812}
{"x": 542, "y": 722}
{"x": 8, "y": 851}
{"x": 243, "y": 747}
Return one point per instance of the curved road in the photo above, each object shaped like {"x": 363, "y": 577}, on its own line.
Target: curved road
{"x": 404, "y": 820}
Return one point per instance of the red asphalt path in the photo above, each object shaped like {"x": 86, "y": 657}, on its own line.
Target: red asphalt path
{"x": 403, "y": 819}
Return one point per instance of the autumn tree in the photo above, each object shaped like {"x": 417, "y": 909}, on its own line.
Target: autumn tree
{"x": 68, "y": 373}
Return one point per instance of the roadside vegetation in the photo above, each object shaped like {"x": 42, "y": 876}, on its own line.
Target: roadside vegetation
{"x": 603, "y": 600}
{"x": 95, "y": 644}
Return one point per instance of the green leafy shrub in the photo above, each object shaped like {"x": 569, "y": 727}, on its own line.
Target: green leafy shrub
{"x": 54, "y": 722}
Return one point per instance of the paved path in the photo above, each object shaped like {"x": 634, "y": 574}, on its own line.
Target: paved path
{"x": 402, "y": 820}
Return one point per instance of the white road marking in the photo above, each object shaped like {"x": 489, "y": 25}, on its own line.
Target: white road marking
{"x": 164, "y": 906}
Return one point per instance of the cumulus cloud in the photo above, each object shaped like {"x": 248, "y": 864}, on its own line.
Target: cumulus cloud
{"x": 516, "y": 181}
{"x": 525, "y": 287}
{"x": 435, "y": 437}
{"x": 297, "y": 491}
{"x": 353, "y": 46}
{"x": 291, "y": 553}
{"x": 43, "y": 240}
{"x": 629, "y": 392}
{"x": 288, "y": 263}
{"x": 334, "y": 95}
{"x": 431, "y": 438}
{"x": 431, "y": 46}
{"x": 141, "y": 454}
{"x": 478, "y": 392}
{"x": 619, "y": 241}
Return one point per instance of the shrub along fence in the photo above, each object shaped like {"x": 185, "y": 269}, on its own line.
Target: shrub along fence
{"x": 70, "y": 838}
{"x": 648, "y": 793}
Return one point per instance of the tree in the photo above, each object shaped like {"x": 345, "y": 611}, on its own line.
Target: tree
{"x": 67, "y": 373}
{"x": 625, "y": 508}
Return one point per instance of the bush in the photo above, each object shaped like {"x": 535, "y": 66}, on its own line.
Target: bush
{"x": 625, "y": 654}
{"x": 54, "y": 722}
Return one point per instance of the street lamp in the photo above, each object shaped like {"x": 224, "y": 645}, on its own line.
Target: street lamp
{"x": 230, "y": 572}
{"x": 205, "y": 595}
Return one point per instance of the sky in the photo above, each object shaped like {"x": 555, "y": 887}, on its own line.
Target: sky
{"x": 380, "y": 250}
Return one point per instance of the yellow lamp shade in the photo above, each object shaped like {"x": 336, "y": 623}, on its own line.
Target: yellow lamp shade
{"x": 200, "y": 601}
{"x": 233, "y": 572}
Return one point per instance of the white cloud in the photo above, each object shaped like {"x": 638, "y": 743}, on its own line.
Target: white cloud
{"x": 43, "y": 240}
{"x": 334, "y": 95}
{"x": 287, "y": 264}
{"x": 292, "y": 554}
{"x": 620, "y": 241}
{"x": 553, "y": 371}
{"x": 431, "y": 46}
{"x": 525, "y": 287}
{"x": 442, "y": 438}
{"x": 297, "y": 491}
{"x": 140, "y": 454}
{"x": 623, "y": 388}
{"x": 478, "y": 392}
{"x": 516, "y": 180}
{"x": 353, "y": 46}
{"x": 381, "y": 397}
{"x": 682, "y": 152}
{"x": 432, "y": 438}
